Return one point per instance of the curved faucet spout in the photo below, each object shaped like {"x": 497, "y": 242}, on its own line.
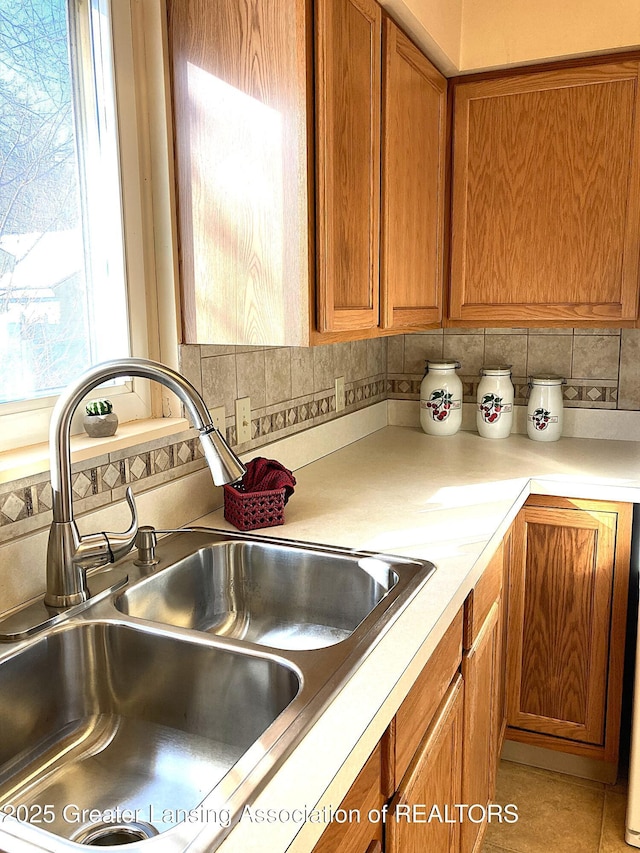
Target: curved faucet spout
{"x": 68, "y": 553}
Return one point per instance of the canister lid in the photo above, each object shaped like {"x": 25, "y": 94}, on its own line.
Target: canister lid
{"x": 496, "y": 370}
{"x": 442, "y": 365}
{"x": 547, "y": 379}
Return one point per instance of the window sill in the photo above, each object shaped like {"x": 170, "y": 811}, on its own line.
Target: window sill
{"x": 25, "y": 461}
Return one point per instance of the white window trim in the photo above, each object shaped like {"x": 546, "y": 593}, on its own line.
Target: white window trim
{"x": 148, "y": 200}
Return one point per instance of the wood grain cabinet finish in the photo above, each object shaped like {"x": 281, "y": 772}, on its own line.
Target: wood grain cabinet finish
{"x": 348, "y": 38}
{"x": 408, "y": 727}
{"x": 414, "y": 147}
{"x": 364, "y": 796}
{"x": 277, "y": 109}
{"x": 546, "y": 197}
{"x": 241, "y": 125}
{"x": 433, "y": 779}
{"x": 567, "y": 616}
{"x": 480, "y": 671}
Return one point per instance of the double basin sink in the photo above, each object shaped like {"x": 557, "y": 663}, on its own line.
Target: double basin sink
{"x": 154, "y": 714}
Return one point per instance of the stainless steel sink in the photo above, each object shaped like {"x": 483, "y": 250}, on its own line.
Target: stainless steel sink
{"x": 99, "y": 716}
{"x": 146, "y": 717}
{"x": 266, "y": 593}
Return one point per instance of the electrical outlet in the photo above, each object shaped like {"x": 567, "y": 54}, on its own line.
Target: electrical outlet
{"x": 219, "y": 416}
{"x": 340, "y": 400}
{"x": 243, "y": 420}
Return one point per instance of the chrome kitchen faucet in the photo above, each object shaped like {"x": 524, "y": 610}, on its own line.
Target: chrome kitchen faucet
{"x": 70, "y": 555}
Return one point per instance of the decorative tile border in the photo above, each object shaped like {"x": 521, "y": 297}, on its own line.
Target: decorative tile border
{"x": 578, "y": 393}
{"x": 25, "y": 505}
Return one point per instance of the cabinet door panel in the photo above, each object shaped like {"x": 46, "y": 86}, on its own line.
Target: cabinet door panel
{"x": 364, "y": 795}
{"x": 433, "y": 779}
{"x": 561, "y": 609}
{"x": 348, "y": 72}
{"x": 480, "y": 672}
{"x": 407, "y": 729}
{"x": 413, "y": 170}
{"x": 569, "y": 578}
{"x": 240, "y": 95}
{"x": 546, "y": 196}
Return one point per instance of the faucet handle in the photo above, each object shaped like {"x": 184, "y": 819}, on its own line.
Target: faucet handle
{"x": 120, "y": 544}
{"x": 98, "y": 549}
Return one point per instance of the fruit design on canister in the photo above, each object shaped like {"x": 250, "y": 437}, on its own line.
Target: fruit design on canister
{"x": 541, "y": 418}
{"x": 440, "y": 404}
{"x": 491, "y": 408}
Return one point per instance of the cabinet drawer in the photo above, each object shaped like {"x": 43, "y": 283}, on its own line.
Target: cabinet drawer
{"x": 414, "y": 715}
{"x": 482, "y": 598}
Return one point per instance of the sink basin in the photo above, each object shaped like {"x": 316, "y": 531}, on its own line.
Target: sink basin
{"x": 151, "y": 717}
{"x": 265, "y": 593}
{"x": 101, "y": 715}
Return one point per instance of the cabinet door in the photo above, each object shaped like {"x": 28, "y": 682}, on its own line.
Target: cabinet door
{"x": 413, "y": 177}
{"x": 567, "y": 614}
{"x": 363, "y": 836}
{"x": 348, "y": 62}
{"x": 433, "y": 780}
{"x": 240, "y": 103}
{"x": 504, "y": 624}
{"x": 546, "y": 197}
{"x": 481, "y": 686}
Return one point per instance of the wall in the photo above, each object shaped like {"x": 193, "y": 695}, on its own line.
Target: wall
{"x": 498, "y": 33}
{"x": 472, "y": 35}
{"x": 291, "y": 389}
{"x": 600, "y": 365}
{"x": 434, "y": 25}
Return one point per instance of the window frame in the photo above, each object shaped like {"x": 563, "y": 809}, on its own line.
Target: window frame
{"x": 139, "y": 40}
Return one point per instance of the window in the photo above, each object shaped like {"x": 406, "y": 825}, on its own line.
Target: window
{"x": 78, "y": 271}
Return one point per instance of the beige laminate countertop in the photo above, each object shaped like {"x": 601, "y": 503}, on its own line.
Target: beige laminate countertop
{"x": 449, "y": 500}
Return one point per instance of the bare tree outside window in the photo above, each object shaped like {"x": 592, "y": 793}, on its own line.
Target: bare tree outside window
{"x": 46, "y": 327}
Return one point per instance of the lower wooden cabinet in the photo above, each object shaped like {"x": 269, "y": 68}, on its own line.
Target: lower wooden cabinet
{"x": 433, "y": 781}
{"x": 538, "y": 650}
{"x": 364, "y": 796}
{"x": 480, "y": 671}
{"x": 482, "y": 667}
{"x": 567, "y": 617}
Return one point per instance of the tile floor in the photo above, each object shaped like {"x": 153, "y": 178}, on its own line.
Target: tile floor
{"x": 557, "y": 814}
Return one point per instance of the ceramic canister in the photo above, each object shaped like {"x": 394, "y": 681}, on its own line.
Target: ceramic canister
{"x": 545, "y": 410}
{"x": 495, "y": 401}
{"x": 441, "y": 398}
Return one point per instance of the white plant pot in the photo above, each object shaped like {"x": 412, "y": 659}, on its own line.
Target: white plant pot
{"x": 100, "y": 426}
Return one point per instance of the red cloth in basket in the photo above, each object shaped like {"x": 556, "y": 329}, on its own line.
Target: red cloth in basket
{"x": 263, "y": 475}
{"x": 258, "y": 499}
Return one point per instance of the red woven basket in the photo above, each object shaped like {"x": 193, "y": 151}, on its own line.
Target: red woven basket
{"x": 250, "y": 510}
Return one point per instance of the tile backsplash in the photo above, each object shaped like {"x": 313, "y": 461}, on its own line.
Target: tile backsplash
{"x": 293, "y": 389}
{"x": 601, "y": 366}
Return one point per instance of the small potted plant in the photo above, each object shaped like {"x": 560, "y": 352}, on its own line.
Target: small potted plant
{"x": 100, "y": 420}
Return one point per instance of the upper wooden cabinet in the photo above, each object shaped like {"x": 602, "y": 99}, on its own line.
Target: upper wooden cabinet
{"x": 414, "y": 147}
{"x": 279, "y": 153}
{"x": 348, "y": 58}
{"x": 380, "y": 248}
{"x": 546, "y": 197}
{"x": 241, "y": 117}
